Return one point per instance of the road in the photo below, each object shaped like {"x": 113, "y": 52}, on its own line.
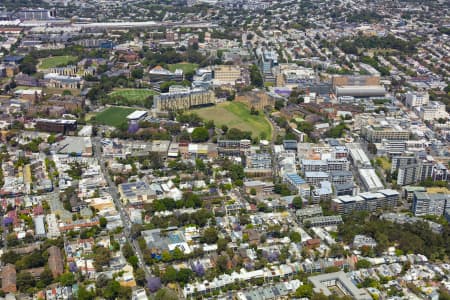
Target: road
{"x": 112, "y": 189}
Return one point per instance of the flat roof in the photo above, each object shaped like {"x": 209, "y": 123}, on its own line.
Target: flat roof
{"x": 370, "y": 178}
{"x": 321, "y": 285}
{"x": 137, "y": 114}
{"x": 295, "y": 178}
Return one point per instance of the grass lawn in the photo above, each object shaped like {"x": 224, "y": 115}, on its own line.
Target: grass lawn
{"x": 74, "y": 92}
{"x": 114, "y": 116}
{"x": 137, "y": 95}
{"x": 186, "y": 67}
{"x": 236, "y": 115}
{"x": 51, "y": 62}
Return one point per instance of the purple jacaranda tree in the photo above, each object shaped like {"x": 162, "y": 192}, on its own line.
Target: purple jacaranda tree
{"x": 154, "y": 284}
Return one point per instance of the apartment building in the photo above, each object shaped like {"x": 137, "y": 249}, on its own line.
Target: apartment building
{"x": 414, "y": 99}
{"x": 183, "y": 100}
{"x": 233, "y": 147}
{"x": 414, "y": 173}
{"x": 382, "y": 199}
{"x": 433, "y": 111}
{"x": 327, "y": 165}
{"x": 324, "y": 283}
{"x": 377, "y": 133}
{"x": 226, "y": 74}
{"x": 430, "y": 204}
{"x": 370, "y": 179}
{"x": 315, "y": 178}
{"x": 341, "y": 177}
{"x": 323, "y": 221}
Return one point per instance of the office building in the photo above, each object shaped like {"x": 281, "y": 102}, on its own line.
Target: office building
{"x": 136, "y": 193}
{"x": 56, "y": 125}
{"x": 159, "y": 74}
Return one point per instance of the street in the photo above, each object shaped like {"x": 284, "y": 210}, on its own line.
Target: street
{"x": 112, "y": 189}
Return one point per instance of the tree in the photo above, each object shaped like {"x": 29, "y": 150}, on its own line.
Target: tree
{"x": 295, "y": 237}
{"x": 336, "y": 250}
{"x": 51, "y": 139}
{"x": 166, "y": 294}
{"x": 200, "y": 134}
{"x": 297, "y": 202}
{"x": 279, "y": 104}
{"x": 102, "y": 281}
{"x": 134, "y": 261}
{"x": 67, "y": 279}
{"x": 255, "y": 76}
{"x": 137, "y": 73}
{"x": 24, "y": 281}
{"x": 184, "y": 275}
{"x": 222, "y": 263}
{"x": 154, "y": 284}
{"x": 139, "y": 275}
{"x": 103, "y": 222}
{"x": 304, "y": 291}
{"x": 112, "y": 290}
{"x": 170, "y": 275}
{"x": 10, "y": 257}
{"x": 46, "y": 276}
{"x": 210, "y": 235}
{"x": 84, "y": 294}
{"x": 363, "y": 264}
{"x": 177, "y": 254}
{"x": 101, "y": 257}
{"x": 166, "y": 256}
{"x": 127, "y": 250}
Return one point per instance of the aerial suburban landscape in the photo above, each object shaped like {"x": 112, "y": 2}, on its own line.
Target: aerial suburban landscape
{"x": 234, "y": 149}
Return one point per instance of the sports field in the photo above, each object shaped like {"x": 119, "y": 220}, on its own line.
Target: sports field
{"x": 186, "y": 67}
{"x": 236, "y": 115}
{"x": 113, "y": 116}
{"x": 55, "y": 61}
{"x": 135, "y": 95}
